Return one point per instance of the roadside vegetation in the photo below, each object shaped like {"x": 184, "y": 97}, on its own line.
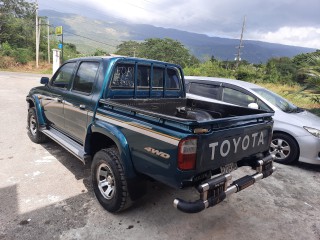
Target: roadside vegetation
{"x": 297, "y": 78}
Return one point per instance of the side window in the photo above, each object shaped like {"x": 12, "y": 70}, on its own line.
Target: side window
{"x": 158, "y": 77}
{"x": 236, "y": 97}
{"x": 85, "y": 77}
{"x": 143, "y": 78}
{"x": 63, "y": 76}
{"x": 205, "y": 90}
{"x": 123, "y": 76}
{"x": 262, "y": 105}
{"x": 173, "y": 78}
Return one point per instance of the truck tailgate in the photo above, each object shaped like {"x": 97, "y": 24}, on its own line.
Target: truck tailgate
{"x": 227, "y": 145}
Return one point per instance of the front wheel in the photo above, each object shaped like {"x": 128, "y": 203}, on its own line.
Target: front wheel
{"x": 284, "y": 148}
{"x": 108, "y": 180}
{"x": 33, "y": 128}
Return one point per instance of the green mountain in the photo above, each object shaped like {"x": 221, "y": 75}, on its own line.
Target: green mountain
{"x": 105, "y": 33}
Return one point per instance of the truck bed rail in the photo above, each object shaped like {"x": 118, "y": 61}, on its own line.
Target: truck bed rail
{"x": 252, "y": 115}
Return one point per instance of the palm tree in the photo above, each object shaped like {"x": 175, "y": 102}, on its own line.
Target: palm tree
{"x": 312, "y": 72}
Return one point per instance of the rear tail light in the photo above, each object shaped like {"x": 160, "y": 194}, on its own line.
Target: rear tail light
{"x": 187, "y": 154}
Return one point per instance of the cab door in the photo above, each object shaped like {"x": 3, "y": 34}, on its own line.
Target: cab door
{"x": 78, "y": 103}
{"x": 52, "y": 102}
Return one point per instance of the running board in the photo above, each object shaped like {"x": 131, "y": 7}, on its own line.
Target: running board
{"x": 73, "y": 147}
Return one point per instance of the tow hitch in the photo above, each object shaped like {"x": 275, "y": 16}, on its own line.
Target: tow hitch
{"x": 215, "y": 190}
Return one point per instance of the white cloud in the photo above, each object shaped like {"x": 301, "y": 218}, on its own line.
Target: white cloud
{"x": 291, "y": 22}
{"x": 297, "y": 36}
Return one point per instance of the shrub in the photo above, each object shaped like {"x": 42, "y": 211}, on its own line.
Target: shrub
{"x": 7, "y": 62}
{"x": 22, "y": 55}
{"x": 6, "y": 49}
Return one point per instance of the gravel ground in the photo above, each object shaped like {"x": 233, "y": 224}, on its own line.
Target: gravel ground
{"x": 45, "y": 193}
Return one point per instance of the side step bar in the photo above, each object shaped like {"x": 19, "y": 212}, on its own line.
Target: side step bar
{"x": 215, "y": 190}
{"x": 73, "y": 147}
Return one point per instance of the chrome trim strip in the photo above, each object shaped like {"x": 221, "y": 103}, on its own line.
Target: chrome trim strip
{"x": 141, "y": 130}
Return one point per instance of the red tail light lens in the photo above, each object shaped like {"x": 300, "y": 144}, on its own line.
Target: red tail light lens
{"x": 187, "y": 154}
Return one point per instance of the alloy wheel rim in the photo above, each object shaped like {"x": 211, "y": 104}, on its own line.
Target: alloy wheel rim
{"x": 280, "y": 148}
{"x": 33, "y": 125}
{"x": 106, "y": 181}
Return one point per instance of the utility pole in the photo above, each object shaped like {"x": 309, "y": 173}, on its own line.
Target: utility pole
{"x": 238, "y": 57}
{"x": 37, "y": 36}
{"x": 48, "y": 31}
{"x": 62, "y": 47}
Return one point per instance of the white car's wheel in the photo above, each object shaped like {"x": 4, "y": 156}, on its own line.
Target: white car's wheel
{"x": 284, "y": 148}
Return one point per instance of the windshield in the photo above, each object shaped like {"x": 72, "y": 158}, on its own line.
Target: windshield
{"x": 276, "y": 100}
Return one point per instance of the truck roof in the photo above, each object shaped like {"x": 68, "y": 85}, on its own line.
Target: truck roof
{"x": 124, "y": 58}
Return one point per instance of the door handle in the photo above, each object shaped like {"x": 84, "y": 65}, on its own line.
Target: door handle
{"x": 82, "y": 106}
{"x": 58, "y": 99}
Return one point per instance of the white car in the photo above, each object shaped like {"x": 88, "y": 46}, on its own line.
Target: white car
{"x": 296, "y": 132}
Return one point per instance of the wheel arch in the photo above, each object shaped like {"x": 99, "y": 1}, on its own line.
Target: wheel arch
{"x": 34, "y": 101}
{"x": 101, "y": 135}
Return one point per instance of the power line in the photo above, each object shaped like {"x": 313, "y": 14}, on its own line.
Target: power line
{"x": 90, "y": 39}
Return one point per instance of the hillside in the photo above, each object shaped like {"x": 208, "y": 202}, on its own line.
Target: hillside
{"x": 108, "y": 33}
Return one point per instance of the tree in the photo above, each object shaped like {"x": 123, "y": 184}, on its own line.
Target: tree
{"x": 100, "y": 52}
{"x": 167, "y": 50}
{"x": 129, "y": 48}
{"x": 311, "y": 71}
{"x": 17, "y": 22}
{"x": 280, "y": 70}
{"x": 17, "y": 19}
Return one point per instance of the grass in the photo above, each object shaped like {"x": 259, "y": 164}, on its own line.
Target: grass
{"x": 293, "y": 94}
{"x": 44, "y": 68}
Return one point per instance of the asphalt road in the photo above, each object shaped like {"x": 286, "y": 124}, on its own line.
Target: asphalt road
{"x": 45, "y": 193}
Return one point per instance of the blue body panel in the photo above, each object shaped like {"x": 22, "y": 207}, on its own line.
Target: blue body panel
{"x": 118, "y": 137}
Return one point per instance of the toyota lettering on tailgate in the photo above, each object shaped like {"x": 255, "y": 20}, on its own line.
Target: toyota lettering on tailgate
{"x": 236, "y": 144}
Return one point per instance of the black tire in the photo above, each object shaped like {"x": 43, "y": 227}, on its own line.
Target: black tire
{"x": 284, "y": 148}
{"x": 108, "y": 180}
{"x": 33, "y": 128}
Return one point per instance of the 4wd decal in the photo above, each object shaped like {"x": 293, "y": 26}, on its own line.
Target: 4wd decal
{"x": 157, "y": 152}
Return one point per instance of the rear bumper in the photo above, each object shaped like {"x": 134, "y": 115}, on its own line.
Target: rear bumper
{"x": 215, "y": 190}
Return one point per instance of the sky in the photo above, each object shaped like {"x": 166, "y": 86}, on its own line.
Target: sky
{"x": 290, "y": 22}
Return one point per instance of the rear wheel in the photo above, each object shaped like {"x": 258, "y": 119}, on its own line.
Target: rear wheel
{"x": 33, "y": 128}
{"x": 108, "y": 180}
{"x": 284, "y": 148}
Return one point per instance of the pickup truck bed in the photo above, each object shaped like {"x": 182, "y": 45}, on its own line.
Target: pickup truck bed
{"x": 167, "y": 107}
{"x": 232, "y": 134}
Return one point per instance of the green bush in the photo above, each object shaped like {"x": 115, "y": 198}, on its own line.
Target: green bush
{"x": 6, "y": 49}
{"x": 7, "y": 62}
{"x": 22, "y": 55}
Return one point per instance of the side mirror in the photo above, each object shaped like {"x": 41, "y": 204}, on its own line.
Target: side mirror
{"x": 44, "y": 80}
{"x": 253, "y": 106}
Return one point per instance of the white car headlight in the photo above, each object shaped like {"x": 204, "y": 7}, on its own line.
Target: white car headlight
{"x": 313, "y": 131}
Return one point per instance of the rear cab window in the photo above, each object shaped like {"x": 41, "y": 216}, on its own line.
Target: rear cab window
{"x": 142, "y": 80}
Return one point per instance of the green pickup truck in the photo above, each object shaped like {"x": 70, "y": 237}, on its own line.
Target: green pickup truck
{"x": 130, "y": 119}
